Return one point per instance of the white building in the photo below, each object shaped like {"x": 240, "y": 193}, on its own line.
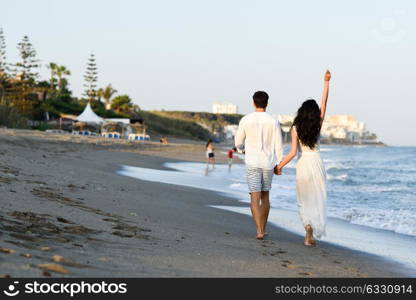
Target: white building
{"x": 284, "y": 119}
{"x": 342, "y": 127}
{"x": 230, "y": 131}
{"x": 224, "y": 108}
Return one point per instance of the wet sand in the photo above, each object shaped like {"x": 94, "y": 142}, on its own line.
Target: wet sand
{"x": 65, "y": 212}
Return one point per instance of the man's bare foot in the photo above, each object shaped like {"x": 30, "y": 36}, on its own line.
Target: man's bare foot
{"x": 260, "y": 235}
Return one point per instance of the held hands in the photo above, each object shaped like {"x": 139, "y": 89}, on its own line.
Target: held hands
{"x": 278, "y": 170}
{"x": 327, "y": 76}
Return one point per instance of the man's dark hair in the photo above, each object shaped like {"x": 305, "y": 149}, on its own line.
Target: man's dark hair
{"x": 260, "y": 99}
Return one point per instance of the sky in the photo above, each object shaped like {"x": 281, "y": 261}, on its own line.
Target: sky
{"x": 185, "y": 55}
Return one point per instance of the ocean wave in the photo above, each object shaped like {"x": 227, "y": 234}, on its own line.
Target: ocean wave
{"x": 384, "y": 188}
{"x": 342, "y": 177}
{"x": 285, "y": 187}
{"x": 328, "y": 149}
{"x": 336, "y": 166}
{"x": 235, "y": 185}
{"x": 399, "y": 221}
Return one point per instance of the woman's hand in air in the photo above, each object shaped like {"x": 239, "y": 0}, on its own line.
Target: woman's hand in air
{"x": 327, "y": 76}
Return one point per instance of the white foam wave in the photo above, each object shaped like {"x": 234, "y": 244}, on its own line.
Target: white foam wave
{"x": 399, "y": 221}
{"x": 335, "y": 165}
{"x": 327, "y": 150}
{"x": 342, "y": 177}
{"x": 236, "y": 185}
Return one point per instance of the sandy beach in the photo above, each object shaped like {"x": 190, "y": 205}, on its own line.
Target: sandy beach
{"x": 64, "y": 211}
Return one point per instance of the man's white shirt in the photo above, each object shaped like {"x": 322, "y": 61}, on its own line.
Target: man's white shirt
{"x": 260, "y": 136}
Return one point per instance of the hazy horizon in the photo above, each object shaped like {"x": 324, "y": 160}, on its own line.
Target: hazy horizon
{"x": 185, "y": 55}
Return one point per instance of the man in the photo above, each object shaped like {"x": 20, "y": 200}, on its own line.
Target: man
{"x": 260, "y": 136}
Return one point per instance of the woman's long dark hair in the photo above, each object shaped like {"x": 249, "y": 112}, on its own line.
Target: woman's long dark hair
{"x": 308, "y": 123}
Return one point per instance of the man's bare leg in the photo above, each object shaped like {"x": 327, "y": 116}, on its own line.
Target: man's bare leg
{"x": 265, "y": 209}
{"x": 256, "y": 213}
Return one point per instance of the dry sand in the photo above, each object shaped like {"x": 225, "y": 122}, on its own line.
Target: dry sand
{"x": 65, "y": 212}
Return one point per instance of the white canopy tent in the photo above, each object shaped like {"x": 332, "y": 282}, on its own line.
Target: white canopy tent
{"x": 89, "y": 116}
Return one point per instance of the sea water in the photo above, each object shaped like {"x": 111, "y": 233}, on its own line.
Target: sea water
{"x": 371, "y": 195}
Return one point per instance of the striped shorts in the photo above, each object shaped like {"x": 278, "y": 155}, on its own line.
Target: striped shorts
{"x": 259, "y": 179}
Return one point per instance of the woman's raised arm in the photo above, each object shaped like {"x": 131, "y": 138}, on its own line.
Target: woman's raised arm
{"x": 327, "y": 78}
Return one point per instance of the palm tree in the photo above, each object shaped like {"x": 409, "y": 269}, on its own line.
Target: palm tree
{"x": 61, "y": 71}
{"x": 53, "y": 67}
{"x": 122, "y": 103}
{"x": 107, "y": 93}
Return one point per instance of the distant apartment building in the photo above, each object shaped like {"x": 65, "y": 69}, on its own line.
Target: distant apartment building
{"x": 286, "y": 122}
{"x": 285, "y": 119}
{"x": 336, "y": 127}
{"x": 343, "y": 127}
{"x": 224, "y": 108}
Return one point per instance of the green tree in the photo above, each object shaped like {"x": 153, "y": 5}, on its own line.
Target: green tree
{"x": 122, "y": 103}
{"x": 62, "y": 71}
{"x": 107, "y": 93}
{"x": 91, "y": 78}
{"x": 23, "y": 93}
{"x": 26, "y": 68}
{"x": 52, "y": 67}
{"x": 4, "y": 67}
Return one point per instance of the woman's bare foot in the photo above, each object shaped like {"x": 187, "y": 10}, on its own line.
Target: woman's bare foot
{"x": 309, "y": 243}
{"x": 309, "y": 240}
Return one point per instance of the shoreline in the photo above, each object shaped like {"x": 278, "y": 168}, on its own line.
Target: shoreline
{"x": 65, "y": 205}
{"x": 353, "y": 230}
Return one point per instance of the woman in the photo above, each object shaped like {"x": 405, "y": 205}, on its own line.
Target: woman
{"x": 310, "y": 171}
{"x": 210, "y": 154}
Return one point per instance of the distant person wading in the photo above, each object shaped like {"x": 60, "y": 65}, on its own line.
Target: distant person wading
{"x": 230, "y": 157}
{"x": 210, "y": 154}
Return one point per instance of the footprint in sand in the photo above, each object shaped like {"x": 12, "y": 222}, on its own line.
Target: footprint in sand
{"x": 288, "y": 264}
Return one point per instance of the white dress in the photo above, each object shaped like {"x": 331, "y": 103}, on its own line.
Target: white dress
{"x": 311, "y": 189}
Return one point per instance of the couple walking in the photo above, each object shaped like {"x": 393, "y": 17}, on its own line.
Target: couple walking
{"x": 260, "y": 136}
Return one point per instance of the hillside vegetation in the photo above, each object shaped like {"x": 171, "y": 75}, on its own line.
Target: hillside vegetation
{"x": 204, "y": 118}
{"x": 197, "y": 125}
{"x": 174, "y": 127}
